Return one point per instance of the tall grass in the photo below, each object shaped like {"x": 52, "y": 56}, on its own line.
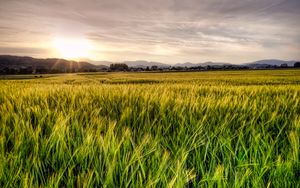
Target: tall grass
{"x": 222, "y": 129}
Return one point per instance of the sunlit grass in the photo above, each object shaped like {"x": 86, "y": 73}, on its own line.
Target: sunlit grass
{"x": 209, "y": 129}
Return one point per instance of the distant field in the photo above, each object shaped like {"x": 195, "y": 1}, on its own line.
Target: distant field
{"x": 198, "y": 129}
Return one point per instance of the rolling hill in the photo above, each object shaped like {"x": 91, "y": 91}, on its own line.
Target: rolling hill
{"x": 29, "y": 64}
{"x": 273, "y": 62}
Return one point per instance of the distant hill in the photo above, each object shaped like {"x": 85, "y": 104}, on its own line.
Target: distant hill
{"x": 188, "y": 64}
{"x": 255, "y": 64}
{"x": 267, "y": 62}
{"x": 25, "y": 64}
{"x": 105, "y": 63}
{"x": 136, "y": 64}
{"x": 142, "y": 63}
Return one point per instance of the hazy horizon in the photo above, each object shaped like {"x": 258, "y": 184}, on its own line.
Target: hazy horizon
{"x": 166, "y": 31}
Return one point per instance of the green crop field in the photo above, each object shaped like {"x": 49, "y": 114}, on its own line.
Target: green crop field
{"x": 201, "y": 129}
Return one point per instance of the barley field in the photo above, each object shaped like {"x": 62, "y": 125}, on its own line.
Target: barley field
{"x": 201, "y": 129}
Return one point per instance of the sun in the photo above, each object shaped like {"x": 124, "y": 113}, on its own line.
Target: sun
{"x": 72, "y": 48}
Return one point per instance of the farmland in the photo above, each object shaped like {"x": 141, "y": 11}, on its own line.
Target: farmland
{"x": 184, "y": 129}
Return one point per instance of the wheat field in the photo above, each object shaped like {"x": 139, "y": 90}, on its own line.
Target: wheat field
{"x": 202, "y": 129}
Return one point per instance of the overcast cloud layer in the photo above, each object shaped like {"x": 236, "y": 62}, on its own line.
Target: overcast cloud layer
{"x": 168, "y": 31}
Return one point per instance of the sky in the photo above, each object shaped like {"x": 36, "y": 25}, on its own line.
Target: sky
{"x": 167, "y": 31}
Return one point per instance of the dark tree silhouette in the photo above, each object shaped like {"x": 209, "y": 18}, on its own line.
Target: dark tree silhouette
{"x": 154, "y": 67}
{"x": 118, "y": 67}
{"x": 284, "y": 65}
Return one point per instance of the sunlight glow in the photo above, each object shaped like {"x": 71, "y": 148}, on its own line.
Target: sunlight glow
{"x": 72, "y": 48}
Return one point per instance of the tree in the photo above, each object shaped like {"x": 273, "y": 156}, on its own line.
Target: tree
{"x": 284, "y": 65}
{"x": 297, "y": 65}
{"x": 118, "y": 67}
{"x": 154, "y": 68}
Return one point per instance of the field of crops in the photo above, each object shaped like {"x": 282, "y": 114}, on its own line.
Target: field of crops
{"x": 204, "y": 129}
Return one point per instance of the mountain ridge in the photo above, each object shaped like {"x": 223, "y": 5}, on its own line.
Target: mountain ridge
{"x": 11, "y": 60}
{"x": 29, "y": 64}
{"x": 274, "y": 62}
{"x": 144, "y": 63}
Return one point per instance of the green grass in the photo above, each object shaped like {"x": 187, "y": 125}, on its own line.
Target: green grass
{"x": 206, "y": 129}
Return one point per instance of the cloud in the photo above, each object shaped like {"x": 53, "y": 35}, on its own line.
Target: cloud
{"x": 37, "y": 52}
{"x": 160, "y": 30}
